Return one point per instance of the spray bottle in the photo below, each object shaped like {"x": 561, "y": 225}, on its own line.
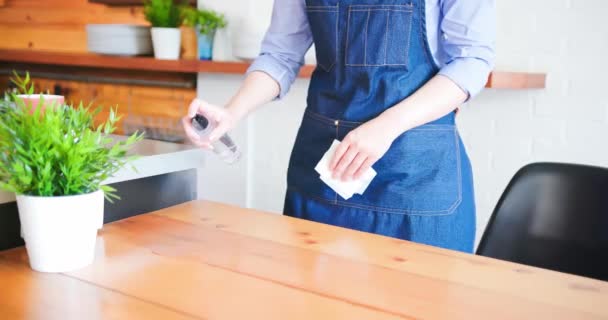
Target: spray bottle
{"x": 224, "y": 147}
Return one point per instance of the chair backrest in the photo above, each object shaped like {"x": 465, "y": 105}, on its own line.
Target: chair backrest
{"x": 553, "y": 216}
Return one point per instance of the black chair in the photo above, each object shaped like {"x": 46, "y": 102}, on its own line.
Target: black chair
{"x": 553, "y": 216}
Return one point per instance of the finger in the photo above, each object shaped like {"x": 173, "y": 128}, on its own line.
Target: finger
{"x": 354, "y": 166}
{"x": 369, "y": 162}
{"x": 190, "y": 132}
{"x": 345, "y": 161}
{"x": 193, "y": 108}
{"x": 342, "y": 147}
{"x": 198, "y": 106}
{"x": 193, "y": 136}
{"x": 211, "y": 112}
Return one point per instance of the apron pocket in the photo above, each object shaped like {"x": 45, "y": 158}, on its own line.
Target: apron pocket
{"x": 378, "y": 35}
{"x": 419, "y": 175}
{"x": 315, "y": 136}
{"x": 323, "y": 20}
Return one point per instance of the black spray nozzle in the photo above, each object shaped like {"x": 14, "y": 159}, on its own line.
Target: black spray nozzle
{"x": 200, "y": 122}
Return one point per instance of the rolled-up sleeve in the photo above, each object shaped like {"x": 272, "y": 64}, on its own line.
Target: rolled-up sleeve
{"x": 468, "y": 39}
{"x": 286, "y": 42}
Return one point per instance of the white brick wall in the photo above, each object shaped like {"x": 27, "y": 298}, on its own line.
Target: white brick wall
{"x": 567, "y": 121}
{"x": 503, "y": 129}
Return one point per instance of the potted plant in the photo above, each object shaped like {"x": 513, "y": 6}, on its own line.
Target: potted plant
{"x": 25, "y": 90}
{"x": 165, "y": 18}
{"x": 189, "y": 34}
{"x": 206, "y": 22}
{"x": 55, "y": 161}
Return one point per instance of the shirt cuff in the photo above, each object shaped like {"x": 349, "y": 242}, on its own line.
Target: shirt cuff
{"x": 274, "y": 68}
{"x": 470, "y": 74}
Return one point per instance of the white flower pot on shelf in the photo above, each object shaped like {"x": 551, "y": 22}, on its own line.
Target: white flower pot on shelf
{"x": 166, "y": 43}
{"x": 60, "y": 232}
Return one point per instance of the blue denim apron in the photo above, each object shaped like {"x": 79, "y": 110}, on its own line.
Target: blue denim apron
{"x": 372, "y": 54}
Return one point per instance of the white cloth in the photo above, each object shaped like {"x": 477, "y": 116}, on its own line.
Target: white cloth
{"x": 346, "y": 189}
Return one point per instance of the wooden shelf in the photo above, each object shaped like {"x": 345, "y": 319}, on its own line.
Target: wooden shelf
{"x": 129, "y": 2}
{"x": 516, "y": 80}
{"x": 497, "y": 80}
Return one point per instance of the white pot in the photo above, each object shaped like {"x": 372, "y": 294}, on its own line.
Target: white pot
{"x": 60, "y": 232}
{"x": 98, "y": 210}
{"x": 166, "y": 43}
{"x": 222, "y": 45}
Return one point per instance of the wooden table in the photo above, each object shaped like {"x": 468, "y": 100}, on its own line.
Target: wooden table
{"x": 203, "y": 260}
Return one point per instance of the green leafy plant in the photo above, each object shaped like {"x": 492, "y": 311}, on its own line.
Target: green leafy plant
{"x": 58, "y": 151}
{"x": 206, "y": 21}
{"x": 24, "y": 85}
{"x": 163, "y": 13}
{"x": 188, "y": 15}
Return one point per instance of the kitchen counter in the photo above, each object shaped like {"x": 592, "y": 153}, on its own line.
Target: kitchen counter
{"x": 155, "y": 158}
{"x": 202, "y": 260}
{"x": 159, "y": 157}
{"x": 166, "y": 174}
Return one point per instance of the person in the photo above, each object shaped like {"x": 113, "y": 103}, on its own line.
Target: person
{"x": 390, "y": 76}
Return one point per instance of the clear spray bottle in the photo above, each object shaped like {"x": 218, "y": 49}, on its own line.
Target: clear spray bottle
{"x": 224, "y": 147}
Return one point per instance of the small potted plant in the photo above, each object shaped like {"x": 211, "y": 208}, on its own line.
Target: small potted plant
{"x": 55, "y": 161}
{"x": 206, "y": 22}
{"x": 165, "y": 18}
{"x": 189, "y": 46}
{"x": 25, "y": 90}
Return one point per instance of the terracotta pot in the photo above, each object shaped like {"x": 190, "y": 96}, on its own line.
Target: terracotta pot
{"x": 188, "y": 43}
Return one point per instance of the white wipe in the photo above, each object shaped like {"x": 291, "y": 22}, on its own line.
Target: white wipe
{"x": 346, "y": 189}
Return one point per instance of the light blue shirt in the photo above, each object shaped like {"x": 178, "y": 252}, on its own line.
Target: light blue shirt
{"x": 460, "y": 33}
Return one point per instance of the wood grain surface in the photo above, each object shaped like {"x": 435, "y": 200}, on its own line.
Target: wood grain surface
{"x": 204, "y": 260}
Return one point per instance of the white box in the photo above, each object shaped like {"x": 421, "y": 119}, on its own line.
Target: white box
{"x": 119, "y": 39}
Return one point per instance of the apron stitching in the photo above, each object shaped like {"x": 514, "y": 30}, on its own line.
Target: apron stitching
{"x": 331, "y": 121}
{"x": 369, "y": 9}
{"x": 337, "y": 123}
{"x": 362, "y": 7}
{"x": 382, "y": 9}
{"x": 409, "y": 212}
{"x": 378, "y": 65}
{"x": 354, "y": 124}
{"x": 369, "y": 13}
{"x": 408, "y": 43}
{"x": 337, "y": 42}
{"x": 388, "y": 17}
{"x": 347, "y": 37}
{"x": 458, "y": 163}
{"x": 328, "y": 9}
{"x": 380, "y": 209}
{"x": 423, "y": 37}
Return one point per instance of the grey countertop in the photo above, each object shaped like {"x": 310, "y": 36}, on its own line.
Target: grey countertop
{"x": 147, "y": 148}
{"x": 155, "y": 158}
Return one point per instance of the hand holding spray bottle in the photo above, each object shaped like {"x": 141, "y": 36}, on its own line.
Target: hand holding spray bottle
{"x": 224, "y": 147}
